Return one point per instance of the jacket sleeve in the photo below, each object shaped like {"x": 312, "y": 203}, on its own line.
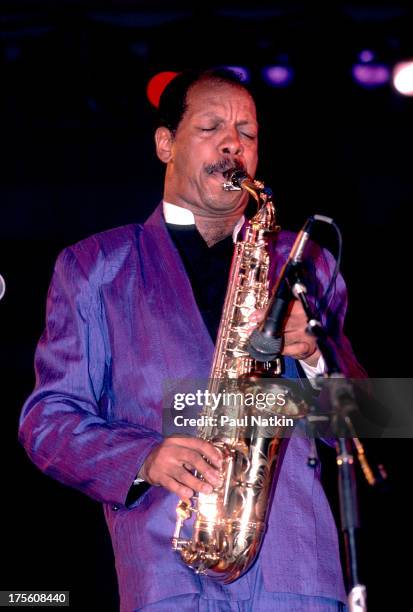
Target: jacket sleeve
{"x": 318, "y": 268}
{"x": 333, "y": 313}
{"x": 64, "y": 427}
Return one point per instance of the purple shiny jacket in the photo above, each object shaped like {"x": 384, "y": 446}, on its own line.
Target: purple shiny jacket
{"x": 122, "y": 319}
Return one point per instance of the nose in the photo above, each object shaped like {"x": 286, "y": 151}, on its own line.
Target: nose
{"x": 231, "y": 143}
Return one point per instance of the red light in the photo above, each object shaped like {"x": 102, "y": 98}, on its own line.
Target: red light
{"x": 156, "y": 86}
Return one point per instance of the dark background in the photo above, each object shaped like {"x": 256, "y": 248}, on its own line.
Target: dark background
{"x": 77, "y": 157}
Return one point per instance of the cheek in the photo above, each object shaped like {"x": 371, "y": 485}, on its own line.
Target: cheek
{"x": 182, "y": 162}
{"x": 252, "y": 162}
{"x": 189, "y": 159}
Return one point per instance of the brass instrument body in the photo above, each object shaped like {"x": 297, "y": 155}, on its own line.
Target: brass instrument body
{"x": 230, "y": 522}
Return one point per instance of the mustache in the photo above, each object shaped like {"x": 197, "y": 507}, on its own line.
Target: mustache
{"x": 224, "y": 165}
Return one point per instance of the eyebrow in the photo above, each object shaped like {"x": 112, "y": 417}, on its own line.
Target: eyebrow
{"x": 216, "y": 116}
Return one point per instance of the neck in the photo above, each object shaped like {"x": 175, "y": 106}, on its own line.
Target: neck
{"x": 212, "y": 225}
{"x": 213, "y": 230}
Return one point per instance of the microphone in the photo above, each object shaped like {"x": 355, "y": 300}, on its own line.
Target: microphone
{"x": 265, "y": 342}
{"x": 296, "y": 254}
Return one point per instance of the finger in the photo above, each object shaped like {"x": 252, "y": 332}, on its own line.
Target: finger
{"x": 298, "y": 350}
{"x": 196, "y": 484}
{"x": 297, "y": 309}
{"x": 310, "y": 357}
{"x": 175, "y": 487}
{"x": 187, "y": 457}
{"x": 257, "y": 316}
{"x": 203, "y": 447}
{"x": 296, "y": 319}
{"x": 297, "y": 336}
{"x": 297, "y": 327}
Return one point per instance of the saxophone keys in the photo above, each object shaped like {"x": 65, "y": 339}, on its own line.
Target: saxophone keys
{"x": 184, "y": 510}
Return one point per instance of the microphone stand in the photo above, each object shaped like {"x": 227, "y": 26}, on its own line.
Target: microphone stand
{"x": 342, "y": 399}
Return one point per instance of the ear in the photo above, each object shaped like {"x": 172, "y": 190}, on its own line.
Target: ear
{"x": 164, "y": 141}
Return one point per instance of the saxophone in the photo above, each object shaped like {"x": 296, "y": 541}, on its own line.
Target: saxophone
{"x": 230, "y": 522}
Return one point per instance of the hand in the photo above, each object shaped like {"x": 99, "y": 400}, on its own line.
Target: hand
{"x": 297, "y": 342}
{"x": 169, "y": 465}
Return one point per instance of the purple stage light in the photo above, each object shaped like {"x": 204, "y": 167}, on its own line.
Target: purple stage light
{"x": 371, "y": 75}
{"x": 366, "y": 56}
{"x": 243, "y": 72}
{"x": 278, "y": 76}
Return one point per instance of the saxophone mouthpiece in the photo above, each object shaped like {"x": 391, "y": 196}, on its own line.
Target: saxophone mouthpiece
{"x": 237, "y": 180}
{"x": 238, "y": 177}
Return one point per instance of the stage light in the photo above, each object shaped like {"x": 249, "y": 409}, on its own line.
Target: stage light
{"x": 403, "y": 78}
{"x": 243, "y": 72}
{"x": 278, "y": 76}
{"x": 370, "y": 73}
{"x": 2, "y": 287}
{"x": 366, "y": 56}
{"x": 157, "y": 84}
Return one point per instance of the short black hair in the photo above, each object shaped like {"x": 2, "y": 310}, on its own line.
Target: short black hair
{"x": 173, "y": 101}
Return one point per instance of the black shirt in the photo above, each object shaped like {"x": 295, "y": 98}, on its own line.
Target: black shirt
{"x": 207, "y": 269}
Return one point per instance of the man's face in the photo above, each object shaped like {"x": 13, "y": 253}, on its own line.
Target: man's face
{"x": 217, "y": 132}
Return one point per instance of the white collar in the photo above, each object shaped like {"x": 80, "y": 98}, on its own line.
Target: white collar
{"x": 177, "y": 215}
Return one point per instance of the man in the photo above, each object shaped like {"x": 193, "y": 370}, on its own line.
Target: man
{"x": 131, "y": 308}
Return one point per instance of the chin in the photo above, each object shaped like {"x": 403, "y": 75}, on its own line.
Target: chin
{"x": 227, "y": 202}
{"x": 225, "y": 207}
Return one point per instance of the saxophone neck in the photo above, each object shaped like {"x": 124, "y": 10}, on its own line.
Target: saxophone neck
{"x": 264, "y": 219}
{"x": 261, "y": 224}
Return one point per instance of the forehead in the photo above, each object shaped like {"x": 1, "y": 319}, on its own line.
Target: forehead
{"x": 220, "y": 97}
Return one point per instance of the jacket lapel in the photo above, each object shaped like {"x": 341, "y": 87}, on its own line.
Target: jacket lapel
{"x": 189, "y": 348}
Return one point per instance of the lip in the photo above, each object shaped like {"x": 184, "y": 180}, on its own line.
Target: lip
{"x": 227, "y": 169}
{"x": 226, "y": 173}
{"x": 218, "y": 176}
{"x": 218, "y": 179}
